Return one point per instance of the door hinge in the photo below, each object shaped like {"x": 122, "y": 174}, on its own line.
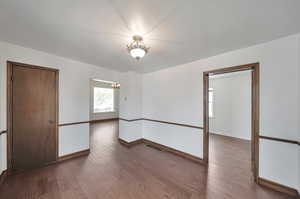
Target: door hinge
{"x": 11, "y": 78}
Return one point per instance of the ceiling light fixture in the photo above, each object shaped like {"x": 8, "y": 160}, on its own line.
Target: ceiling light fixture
{"x": 115, "y": 85}
{"x": 137, "y": 48}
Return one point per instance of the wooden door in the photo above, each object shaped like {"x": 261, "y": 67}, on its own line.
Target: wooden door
{"x": 33, "y": 116}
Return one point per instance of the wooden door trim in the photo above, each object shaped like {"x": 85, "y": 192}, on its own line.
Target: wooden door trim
{"x": 88, "y": 122}
{"x": 10, "y": 65}
{"x": 255, "y": 107}
{"x": 279, "y": 139}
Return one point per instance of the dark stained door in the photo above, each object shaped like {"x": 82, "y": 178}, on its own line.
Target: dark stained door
{"x": 33, "y": 117}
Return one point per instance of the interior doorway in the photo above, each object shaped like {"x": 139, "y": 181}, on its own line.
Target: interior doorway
{"x": 254, "y": 68}
{"x": 32, "y": 116}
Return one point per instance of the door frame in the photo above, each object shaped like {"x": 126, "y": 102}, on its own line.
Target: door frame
{"x": 9, "y": 79}
{"x": 255, "y": 111}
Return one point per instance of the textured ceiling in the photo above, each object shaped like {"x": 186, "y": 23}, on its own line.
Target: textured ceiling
{"x": 178, "y": 31}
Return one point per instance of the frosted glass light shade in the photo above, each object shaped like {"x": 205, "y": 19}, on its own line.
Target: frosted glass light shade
{"x": 137, "y": 53}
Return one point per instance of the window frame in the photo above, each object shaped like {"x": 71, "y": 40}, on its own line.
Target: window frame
{"x": 212, "y": 102}
{"x": 93, "y": 100}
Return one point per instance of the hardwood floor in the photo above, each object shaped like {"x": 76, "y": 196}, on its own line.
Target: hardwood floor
{"x": 113, "y": 171}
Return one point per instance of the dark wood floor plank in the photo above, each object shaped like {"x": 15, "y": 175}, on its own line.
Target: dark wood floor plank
{"x": 113, "y": 171}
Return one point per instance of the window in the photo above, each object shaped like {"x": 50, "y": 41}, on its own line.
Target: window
{"x": 103, "y": 100}
{"x": 211, "y": 102}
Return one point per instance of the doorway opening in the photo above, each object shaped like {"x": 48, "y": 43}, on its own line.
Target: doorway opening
{"x": 104, "y": 108}
{"x": 208, "y": 94}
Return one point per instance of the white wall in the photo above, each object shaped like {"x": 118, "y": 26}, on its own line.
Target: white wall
{"x": 3, "y": 152}
{"x": 175, "y": 95}
{"x": 299, "y": 122}
{"x": 278, "y": 162}
{"x": 1, "y": 155}
{"x": 74, "y": 94}
{"x": 232, "y": 105}
{"x": 130, "y": 106}
{"x": 299, "y": 167}
{"x": 177, "y": 137}
{"x": 73, "y": 138}
{"x": 104, "y": 115}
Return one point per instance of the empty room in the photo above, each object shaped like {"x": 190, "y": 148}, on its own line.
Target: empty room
{"x": 128, "y": 99}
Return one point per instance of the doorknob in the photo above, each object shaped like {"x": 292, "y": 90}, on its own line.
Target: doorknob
{"x": 51, "y": 121}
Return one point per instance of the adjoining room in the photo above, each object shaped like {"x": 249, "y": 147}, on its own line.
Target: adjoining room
{"x": 230, "y": 134}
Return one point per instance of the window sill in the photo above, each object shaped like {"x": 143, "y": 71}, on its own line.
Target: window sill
{"x": 104, "y": 112}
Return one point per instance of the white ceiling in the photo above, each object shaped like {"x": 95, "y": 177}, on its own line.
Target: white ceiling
{"x": 178, "y": 31}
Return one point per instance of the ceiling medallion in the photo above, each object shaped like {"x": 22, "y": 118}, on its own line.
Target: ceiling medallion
{"x": 137, "y": 49}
